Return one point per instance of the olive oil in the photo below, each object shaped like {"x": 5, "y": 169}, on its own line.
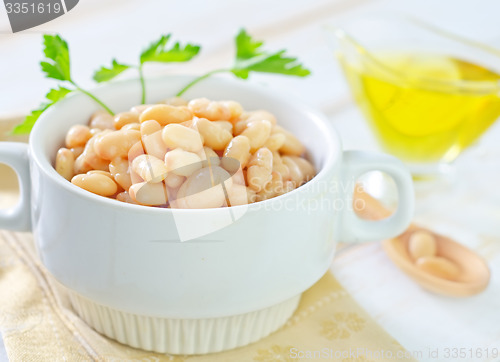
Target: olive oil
{"x": 424, "y": 107}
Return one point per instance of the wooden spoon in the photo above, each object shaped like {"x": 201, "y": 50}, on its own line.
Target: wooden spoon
{"x": 474, "y": 274}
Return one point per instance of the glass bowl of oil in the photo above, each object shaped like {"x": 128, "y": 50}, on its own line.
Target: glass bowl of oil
{"x": 427, "y": 94}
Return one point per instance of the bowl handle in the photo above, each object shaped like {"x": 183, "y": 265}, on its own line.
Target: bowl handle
{"x": 18, "y": 218}
{"x": 355, "y": 229}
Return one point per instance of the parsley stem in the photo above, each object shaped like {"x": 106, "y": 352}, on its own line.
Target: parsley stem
{"x": 196, "y": 80}
{"x": 94, "y": 98}
{"x": 143, "y": 85}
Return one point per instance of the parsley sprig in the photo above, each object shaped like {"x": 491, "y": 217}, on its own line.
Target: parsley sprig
{"x": 250, "y": 58}
{"x": 52, "y": 97}
{"x": 56, "y": 66}
{"x": 156, "y": 52}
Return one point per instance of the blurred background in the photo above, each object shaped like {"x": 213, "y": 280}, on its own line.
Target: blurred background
{"x": 98, "y": 30}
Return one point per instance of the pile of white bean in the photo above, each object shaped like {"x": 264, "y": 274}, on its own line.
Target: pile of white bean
{"x": 179, "y": 154}
{"x": 422, "y": 246}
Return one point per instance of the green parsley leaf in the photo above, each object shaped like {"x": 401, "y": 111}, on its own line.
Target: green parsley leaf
{"x": 51, "y": 71}
{"x": 249, "y": 57}
{"x": 57, "y": 66}
{"x": 29, "y": 121}
{"x": 246, "y": 47}
{"x": 56, "y": 51}
{"x": 55, "y": 95}
{"x": 54, "y": 45}
{"x": 153, "y": 48}
{"x": 104, "y": 74}
{"x": 241, "y": 73}
{"x": 52, "y": 96}
{"x": 157, "y": 52}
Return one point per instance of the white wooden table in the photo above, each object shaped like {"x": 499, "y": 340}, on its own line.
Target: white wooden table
{"x": 98, "y": 30}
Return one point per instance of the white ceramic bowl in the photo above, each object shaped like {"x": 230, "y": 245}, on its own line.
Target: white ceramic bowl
{"x": 193, "y": 281}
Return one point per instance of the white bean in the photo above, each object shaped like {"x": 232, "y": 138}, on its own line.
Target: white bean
{"x": 125, "y": 197}
{"x": 238, "y": 149}
{"x": 275, "y": 141}
{"x": 235, "y": 109}
{"x": 140, "y": 108}
{"x": 174, "y": 181}
{"x": 77, "y": 151}
{"x": 212, "y": 110}
{"x": 280, "y": 167}
{"x": 102, "y": 120}
{"x": 295, "y": 173}
{"x": 292, "y": 145}
{"x": 150, "y": 127}
{"x": 65, "y": 163}
{"x": 166, "y": 114}
{"x": 203, "y": 189}
{"x": 175, "y": 101}
{"x": 259, "y": 172}
{"x": 119, "y": 168}
{"x": 257, "y": 132}
{"x": 154, "y": 145}
{"x": 238, "y": 177}
{"x": 150, "y": 194}
{"x": 237, "y": 195}
{"x": 177, "y": 136}
{"x": 132, "y": 126}
{"x": 305, "y": 167}
{"x": 246, "y": 118}
{"x": 228, "y": 126}
{"x": 214, "y": 136}
{"x": 77, "y": 136}
{"x": 89, "y": 159}
{"x": 209, "y": 157}
{"x": 272, "y": 189}
{"x": 439, "y": 267}
{"x": 96, "y": 183}
{"x": 182, "y": 163}
{"x": 259, "y": 115}
{"x": 422, "y": 243}
{"x": 150, "y": 168}
{"x": 125, "y": 118}
{"x": 116, "y": 144}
